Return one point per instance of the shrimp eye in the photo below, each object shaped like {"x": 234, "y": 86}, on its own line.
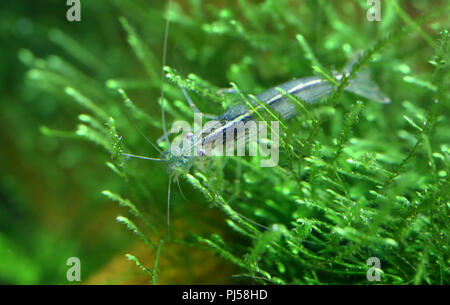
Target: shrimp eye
{"x": 201, "y": 153}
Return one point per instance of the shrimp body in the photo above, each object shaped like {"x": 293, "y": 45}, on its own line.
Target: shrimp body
{"x": 308, "y": 89}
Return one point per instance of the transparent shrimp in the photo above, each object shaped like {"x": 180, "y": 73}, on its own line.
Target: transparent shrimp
{"x": 308, "y": 89}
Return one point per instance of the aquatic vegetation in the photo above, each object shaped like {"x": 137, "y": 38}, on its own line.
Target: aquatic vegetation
{"x": 356, "y": 179}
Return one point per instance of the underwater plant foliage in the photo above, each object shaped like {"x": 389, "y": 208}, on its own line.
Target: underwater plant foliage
{"x": 356, "y": 179}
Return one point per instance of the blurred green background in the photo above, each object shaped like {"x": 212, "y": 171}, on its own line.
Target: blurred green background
{"x": 51, "y": 183}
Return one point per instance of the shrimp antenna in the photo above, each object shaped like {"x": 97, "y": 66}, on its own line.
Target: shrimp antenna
{"x": 252, "y": 221}
{"x": 127, "y": 100}
{"x": 151, "y": 143}
{"x": 248, "y": 219}
{"x": 168, "y": 206}
{"x": 179, "y": 188}
{"x": 166, "y": 36}
{"x": 142, "y": 157}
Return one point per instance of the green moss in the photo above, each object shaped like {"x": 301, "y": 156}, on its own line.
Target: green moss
{"x": 356, "y": 179}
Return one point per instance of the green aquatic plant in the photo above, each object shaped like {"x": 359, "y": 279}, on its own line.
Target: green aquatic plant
{"x": 356, "y": 179}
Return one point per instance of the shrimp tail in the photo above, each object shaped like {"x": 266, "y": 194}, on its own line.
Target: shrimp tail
{"x": 363, "y": 85}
